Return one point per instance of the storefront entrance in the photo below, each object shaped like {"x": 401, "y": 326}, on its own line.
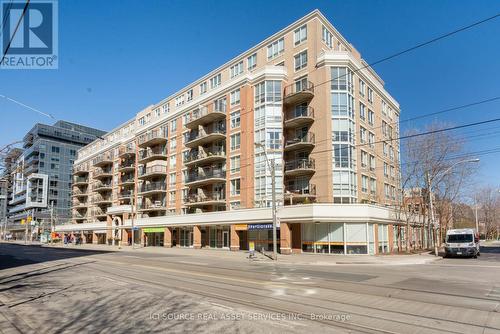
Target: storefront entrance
{"x": 218, "y": 237}
{"x": 186, "y": 237}
{"x": 154, "y": 236}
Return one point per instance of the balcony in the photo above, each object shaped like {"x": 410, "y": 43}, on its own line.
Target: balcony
{"x": 99, "y": 213}
{"x": 80, "y": 181}
{"x": 300, "y": 167}
{"x": 80, "y": 170}
{"x": 154, "y": 171}
{"x": 80, "y": 205}
{"x": 213, "y": 198}
{"x": 207, "y": 177}
{"x": 300, "y": 194}
{"x": 103, "y": 186}
{"x": 299, "y": 116}
{"x": 126, "y": 151}
{"x": 102, "y": 173}
{"x": 151, "y": 138}
{"x": 102, "y": 200}
{"x": 204, "y": 157}
{"x": 147, "y": 155}
{"x": 304, "y": 142}
{"x": 202, "y": 137}
{"x": 126, "y": 166}
{"x": 154, "y": 206}
{"x": 126, "y": 181}
{"x": 79, "y": 216}
{"x": 205, "y": 115}
{"x": 125, "y": 194}
{"x": 298, "y": 92}
{"x": 79, "y": 193}
{"x": 103, "y": 160}
{"x": 153, "y": 188}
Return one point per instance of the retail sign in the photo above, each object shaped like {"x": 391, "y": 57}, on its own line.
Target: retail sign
{"x": 153, "y": 230}
{"x": 260, "y": 227}
{"x": 240, "y": 227}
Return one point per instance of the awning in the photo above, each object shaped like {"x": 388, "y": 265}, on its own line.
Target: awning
{"x": 153, "y": 229}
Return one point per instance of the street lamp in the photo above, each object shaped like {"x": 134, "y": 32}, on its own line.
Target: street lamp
{"x": 272, "y": 167}
{"x": 431, "y": 201}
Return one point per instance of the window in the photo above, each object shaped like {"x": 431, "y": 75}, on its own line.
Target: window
{"x": 203, "y": 88}
{"x": 173, "y": 144}
{"x": 362, "y": 88}
{"x": 173, "y": 126}
{"x": 235, "y": 97}
{"x": 179, "y": 100}
{"x": 252, "y": 62}
{"x": 273, "y": 141}
{"x": 391, "y": 169}
{"x": 215, "y": 81}
{"x": 55, "y": 149}
{"x": 171, "y": 198}
{"x": 172, "y": 179}
{"x": 166, "y": 108}
{"x": 364, "y": 159}
{"x": 301, "y": 60}
{"x": 300, "y": 35}
{"x": 373, "y": 185}
{"x": 268, "y": 91}
{"x": 364, "y": 183}
{"x": 157, "y": 112}
{"x": 371, "y": 117}
{"x": 276, "y": 48}
{"x": 235, "y": 119}
{"x": 72, "y": 153}
{"x": 362, "y": 111}
{"x": 236, "y": 69}
{"x": 370, "y": 95}
{"x": 384, "y": 107}
{"x": 371, "y": 139}
{"x": 189, "y": 95}
{"x": 235, "y": 187}
{"x": 327, "y": 37}
{"x": 173, "y": 161}
{"x": 235, "y": 141}
{"x": 236, "y": 205}
{"x": 386, "y": 169}
{"x": 385, "y": 148}
{"x": 384, "y": 128}
{"x": 220, "y": 104}
{"x": 372, "y": 162}
{"x": 387, "y": 191}
{"x": 362, "y": 134}
{"x": 235, "y": 164}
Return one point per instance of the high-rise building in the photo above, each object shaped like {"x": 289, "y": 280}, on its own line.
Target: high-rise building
{"x": 42, "y": 175}
{"x": 194, "y": 169}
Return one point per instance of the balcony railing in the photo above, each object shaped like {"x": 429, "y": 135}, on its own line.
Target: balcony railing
{"x": 103, "y": 159}
{"x": 102, "y": 199}
{"x": 199, "y": 135}
{"x": 299, "y": 164}
{"x": 127, "y": 164}
{"x": 124, "y": 180}
{"x": 299, "y": 91}
{"x": 301, "y": 190}
{"x": 205, "y": 115}
{"x": 302, "y": 140}
{"x": 211, "y": 174}
{"x": 103, "y": 173}
{"x": 152, "y": 187}
{"x": 152, "y": 137}
{"x": 80, "y": 179}
{"x": 126, "y": 150}
{"x": 155, "y": 205}
{"x": 78, "y": 192}
{"x": 102, "y": 185}
{"x": 207, "y": 197}
{"x": 153, "y": 170}
{"x": 82, "y": 169}
{"x": 204, "y": 154}
{"x": 125, "y": 194}
{"x": 299, "y": 116}
{"x": 153, "y": 154}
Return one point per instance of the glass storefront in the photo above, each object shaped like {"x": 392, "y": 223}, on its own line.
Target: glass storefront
{"x": 338, "y": 238}
{"x": 154, "y": 236}
{"x": 383, "y": 239}
{"x": 186, "y": 237}
{"x": 263, "y": 239}
{"x": 218, "y": 237}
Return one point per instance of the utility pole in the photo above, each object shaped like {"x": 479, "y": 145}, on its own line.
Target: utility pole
{"x": 51, "y": 222}
{"x": 433, "y": 222}
{"x": 132, "y": 219}
{"x": 475, "y": 215}
{"x": 272, "y": 167}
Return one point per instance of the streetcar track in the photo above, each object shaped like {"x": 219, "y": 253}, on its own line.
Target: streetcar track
{"x": 183, "y": 279}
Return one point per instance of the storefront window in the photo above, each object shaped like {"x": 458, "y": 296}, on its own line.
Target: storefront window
{"x": 383, "y": 239}
{"x": 356, "y": 239}
{"x": 337, "y": 238}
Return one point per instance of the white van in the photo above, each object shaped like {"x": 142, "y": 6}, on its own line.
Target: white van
{"x": 462, "y": 242}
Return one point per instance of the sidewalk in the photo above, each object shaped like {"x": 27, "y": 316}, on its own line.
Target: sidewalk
{"x": 295, "y": 259}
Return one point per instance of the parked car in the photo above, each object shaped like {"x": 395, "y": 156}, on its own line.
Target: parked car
{"x": 462, "y": 242}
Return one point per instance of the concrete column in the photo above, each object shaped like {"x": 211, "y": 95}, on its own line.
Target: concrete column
{"x": 196, "y": 237}
{"x": 296, "y": 229}
{"x": 109, "y": 231}
{"x": 143, "y": 238}
{"x": 178, "y": 238}
{"x": 124, "y": 237}
{"x": 285, "y": 239}
{"x": 95, "y": 240}
{"x": 375, "y": 240}
{"x": 235, "y": 239}
{"x": 167, "y": 237}
{"x": 390, "y": 230}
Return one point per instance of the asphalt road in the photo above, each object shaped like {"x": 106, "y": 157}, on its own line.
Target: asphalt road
{"x": 47, "y": 290}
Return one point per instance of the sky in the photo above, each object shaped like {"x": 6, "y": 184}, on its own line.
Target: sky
{"x": 117, "y": 57}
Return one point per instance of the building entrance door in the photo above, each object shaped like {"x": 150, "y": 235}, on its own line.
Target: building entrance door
{"x": 225, "y": 239}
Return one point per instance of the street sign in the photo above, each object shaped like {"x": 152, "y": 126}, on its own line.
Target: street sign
{"x": 135, "y": 228}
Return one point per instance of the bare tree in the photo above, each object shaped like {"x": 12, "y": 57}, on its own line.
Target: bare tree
{"x": 488, "y": 201}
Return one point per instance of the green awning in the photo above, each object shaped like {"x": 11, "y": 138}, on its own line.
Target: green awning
{"x": 153, "y": 229}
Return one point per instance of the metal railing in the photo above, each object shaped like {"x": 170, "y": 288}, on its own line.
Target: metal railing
{"x": 197, "y": 134}
{"x": 300, "y": 164}
{"x": 206, "y": 197}
{"x": 307, "y": 138}
{"x": 197, "y": 155}
{"x": 299, "y": 111}
{"x": 153, "y": 170}
{"x": 213, "y": 173}
{"x": 80, "y": 179}
{"x": 301, "y": 190}
{"x": 151, "y": 135}
{"x": 298, "y": 87}
{"x": 153, "y": 186}
{"x": 148, "y": 153}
